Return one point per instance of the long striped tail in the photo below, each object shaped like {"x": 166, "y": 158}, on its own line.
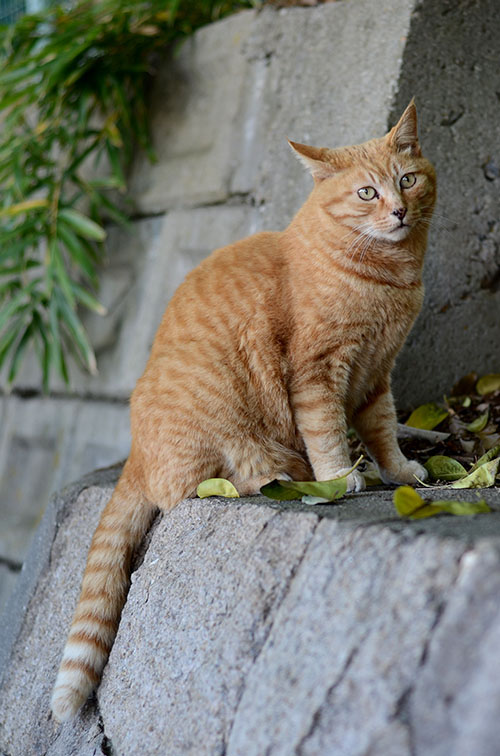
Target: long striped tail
{"x": 106, "y": 580}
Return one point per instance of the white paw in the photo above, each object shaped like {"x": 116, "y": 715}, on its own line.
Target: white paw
{"x": 407, "y": 472}
{"x": 355, "y": 481}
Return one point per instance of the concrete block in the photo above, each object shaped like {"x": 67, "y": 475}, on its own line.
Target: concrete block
{"x": 452, "y": 77}
{"x": 310, "y": 79}
{"x": 195, "y": 101}
{"x": 46, "y": 444}
{"x": 48, "y": 580}
{"x": 9, "y": 573}
{"x": 160, "y": 252}
{"x": 260, "y": 627}
{"x": 34, "y": 433}
{"x": 216, "y": 627}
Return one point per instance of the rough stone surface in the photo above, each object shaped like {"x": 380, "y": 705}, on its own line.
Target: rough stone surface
{"x": 450, "y": 66}
{"x": 221, "y": 110}
{"x": 257, "y": 627}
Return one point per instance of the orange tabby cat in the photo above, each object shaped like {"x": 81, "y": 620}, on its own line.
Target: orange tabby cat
{"x": 266, "y": 354}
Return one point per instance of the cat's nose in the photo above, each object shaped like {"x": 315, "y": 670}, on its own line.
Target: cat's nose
{"x": 399, "y": 212}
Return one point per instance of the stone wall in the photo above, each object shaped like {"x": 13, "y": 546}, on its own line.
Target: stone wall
{"x": 221, "y": 110}
{"x": 253, "y": 627}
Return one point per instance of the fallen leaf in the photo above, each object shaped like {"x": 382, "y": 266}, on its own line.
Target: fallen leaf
{"x": 488, "y": 383}
{"x": 217, "y": 487}
{"x": 441, "y": 467}
{"x": 322, "y": 491}
{"x": 478, "y": 424}
{"x": 491, "y": 454}
{"x": 409, "y": 503}
{"x": 483, "y": 477}
{"x": 407, "y": 500}
{"x": 427, "y": 416}
{"x": 463, "y": 507}
{"x": 310, "y": 492}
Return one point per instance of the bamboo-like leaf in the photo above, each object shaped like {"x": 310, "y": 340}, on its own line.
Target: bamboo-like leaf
{"x": 76, "y": 329}
{"x": 23, "y": 207}
{"x": 20, "y": 352}
{"x": 57, "y": 358}
{"x": 17, "y": 303}
{"x": 61, "y": 274}
{"x": 79, "y": 222}
{"x": 9, "y": 337}
{"x": 88, "y": 300}
{"x": 77, "y": 250}
{"x": 42, "y": 332}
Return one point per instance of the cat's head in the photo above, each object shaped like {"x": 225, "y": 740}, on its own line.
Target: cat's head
{"x": 381, "y": 190}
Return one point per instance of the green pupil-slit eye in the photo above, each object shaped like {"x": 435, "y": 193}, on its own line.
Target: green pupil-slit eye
{"x": 367, "y": 193}
{"x": 407, "y": 180}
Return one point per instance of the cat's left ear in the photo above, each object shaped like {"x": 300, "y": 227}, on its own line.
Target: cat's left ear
{"x": 320, "y": 161}
{"x": 404, "y": 136}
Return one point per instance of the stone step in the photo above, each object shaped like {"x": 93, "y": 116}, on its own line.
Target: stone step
{"x": 257, "y": 627}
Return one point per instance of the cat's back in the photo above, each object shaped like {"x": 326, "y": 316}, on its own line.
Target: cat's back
{"x": 236, "y": 288}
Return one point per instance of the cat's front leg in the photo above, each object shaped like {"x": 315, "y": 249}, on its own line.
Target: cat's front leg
{"x": 376, "y": 424}
{"x": 320, "y": 418}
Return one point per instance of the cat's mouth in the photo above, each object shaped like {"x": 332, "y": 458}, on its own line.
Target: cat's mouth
{"x": 400, "y": 232}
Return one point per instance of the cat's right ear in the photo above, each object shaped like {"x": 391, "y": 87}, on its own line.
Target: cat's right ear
{"x": 318, "y": 160}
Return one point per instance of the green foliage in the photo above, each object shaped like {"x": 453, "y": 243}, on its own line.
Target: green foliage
{"x": 73, "y": 87}
{"x": 409, "y": 503}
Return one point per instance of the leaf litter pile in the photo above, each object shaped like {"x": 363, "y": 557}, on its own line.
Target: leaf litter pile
{"x": 457, "y": 441}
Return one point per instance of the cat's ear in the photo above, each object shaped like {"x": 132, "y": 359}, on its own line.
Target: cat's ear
{"x": 404, "y": 136}
{"x": 320, "y": 161}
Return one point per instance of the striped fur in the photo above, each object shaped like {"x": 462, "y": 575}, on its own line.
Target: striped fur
{"x": 266, "y": 354}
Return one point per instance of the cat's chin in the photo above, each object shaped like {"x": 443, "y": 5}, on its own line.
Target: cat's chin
{"x": 399, "y": 233}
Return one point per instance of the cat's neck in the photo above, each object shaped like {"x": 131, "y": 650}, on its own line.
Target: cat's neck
{"x": 317, "y": 243}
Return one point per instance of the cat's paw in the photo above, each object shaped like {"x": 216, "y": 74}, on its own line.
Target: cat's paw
{"x": 406, "y": 473}
{"x": 355, "y": 481}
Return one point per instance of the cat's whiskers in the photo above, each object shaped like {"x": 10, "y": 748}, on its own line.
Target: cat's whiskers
{"x": 361, "y": 242}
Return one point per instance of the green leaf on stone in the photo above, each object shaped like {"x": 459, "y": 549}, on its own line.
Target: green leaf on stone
{"x": 322, "y": 491}
{"x": 488, "y": 383}
{"x": 482, "y": 477}
{"x": 310, "y": 492}
{"x": 427, "y": 416}
{"x": 410, "y": 504}
{"x": 478, "y": 424}
{"x": 217, "y": 487}
{"x": 461, "y": 508}
{"x": 407, "y": 501}
{"x": 275, "y": 490}
{"x": 440, "y": 467}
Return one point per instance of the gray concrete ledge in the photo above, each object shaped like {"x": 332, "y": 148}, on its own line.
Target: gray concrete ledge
{"x": 256, "y": 627}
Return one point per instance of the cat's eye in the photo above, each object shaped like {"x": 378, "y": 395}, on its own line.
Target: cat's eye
{"x": 367, "y": 193}
{"x": 407, "y": 180}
